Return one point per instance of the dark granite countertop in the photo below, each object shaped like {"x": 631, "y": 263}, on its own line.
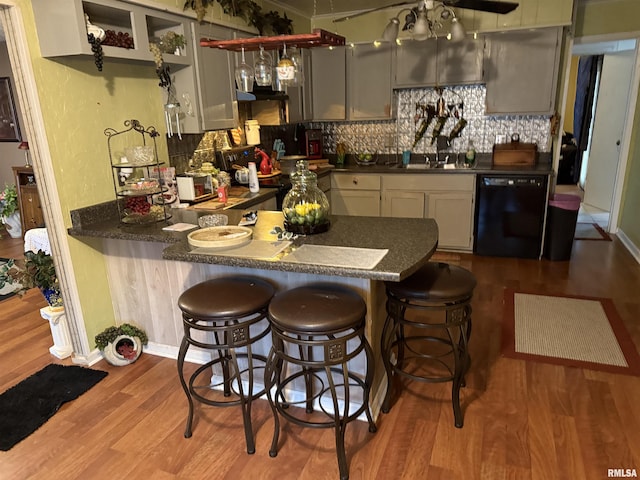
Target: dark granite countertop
{"x": 484, "y": 166}
{"x": 103, "y": 220}
{"x": 410, "y": 241}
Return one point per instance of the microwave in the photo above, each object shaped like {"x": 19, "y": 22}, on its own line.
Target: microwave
{"x": 194, "y": 187}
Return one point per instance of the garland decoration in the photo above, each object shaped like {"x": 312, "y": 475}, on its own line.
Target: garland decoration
{"x": 269, "y": 23}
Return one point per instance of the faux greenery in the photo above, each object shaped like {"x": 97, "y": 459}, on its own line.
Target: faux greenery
{"x": 267, "y": 23}
{"x": 8, "y": 200}
{"x": 110, "y": 334}
{"x": 37, "y": 270}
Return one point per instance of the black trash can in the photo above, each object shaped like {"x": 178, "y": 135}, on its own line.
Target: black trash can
{"x": 562, "y": 217}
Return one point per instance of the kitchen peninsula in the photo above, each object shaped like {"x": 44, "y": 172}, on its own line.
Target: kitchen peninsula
{"x": 150, "y": 267}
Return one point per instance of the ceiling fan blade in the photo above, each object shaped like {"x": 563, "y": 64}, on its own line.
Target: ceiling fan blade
{"x": 491, "y": 6}
{"x": 357, "y": 14}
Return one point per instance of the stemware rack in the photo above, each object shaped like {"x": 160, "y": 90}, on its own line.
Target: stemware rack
{"x": 319, "y": 38}
{"x": 137, "y": 205}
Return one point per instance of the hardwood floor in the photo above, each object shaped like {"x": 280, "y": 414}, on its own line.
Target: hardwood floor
{"x": 522, "y": 420}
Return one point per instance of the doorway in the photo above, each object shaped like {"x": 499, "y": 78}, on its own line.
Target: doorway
{"x": 604, "y": 160}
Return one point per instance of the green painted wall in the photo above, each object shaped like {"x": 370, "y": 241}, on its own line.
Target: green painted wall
{"x": 621, "y": 17}
{"x": 78, "y": 103}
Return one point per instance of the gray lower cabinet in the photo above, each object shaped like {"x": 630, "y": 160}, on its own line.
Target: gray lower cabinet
{"x": 449, "y": 199}
{"x": 438, "y": 62}
{"x": 369, "y": 82}
{"x": 328, "y": 81}
{"x": 355, "y": 194}
{"x": 521, "y": 70}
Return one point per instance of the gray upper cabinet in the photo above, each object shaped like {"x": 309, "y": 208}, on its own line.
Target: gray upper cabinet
{"x": 415, "y": 63}
{"x": 520, "y": 70}
{"x": 62, "y": 29}
{"x": 215, "y": 81}
{"x": 438, "y": 62}
{"x": 328, "y": 80}
{"x": 460, "y": 63}
{"x": 369, "y": 82}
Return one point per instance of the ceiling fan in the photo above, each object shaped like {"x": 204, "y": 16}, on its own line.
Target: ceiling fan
{"x": 491, "y": 6}
{"x": 425, "y": 19}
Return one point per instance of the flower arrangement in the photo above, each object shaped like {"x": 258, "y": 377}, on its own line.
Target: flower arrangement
{"x": 8, "y": 201}
{"x": 111, "y": 333}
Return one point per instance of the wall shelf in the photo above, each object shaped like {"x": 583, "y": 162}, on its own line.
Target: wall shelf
{"x": 319, "y": 38}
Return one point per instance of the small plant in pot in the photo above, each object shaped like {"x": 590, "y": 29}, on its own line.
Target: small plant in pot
{"x": 121, "y": 345}
{"x": 39, "y": 271}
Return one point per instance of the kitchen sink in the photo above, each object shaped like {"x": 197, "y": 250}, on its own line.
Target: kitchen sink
{"x": 426, "y": 166}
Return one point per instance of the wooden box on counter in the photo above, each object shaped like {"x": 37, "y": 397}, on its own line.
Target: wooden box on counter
{"x": 515, "y": 154}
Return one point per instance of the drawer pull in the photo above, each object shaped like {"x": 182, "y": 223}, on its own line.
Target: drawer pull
{"x": 355, "y": 180}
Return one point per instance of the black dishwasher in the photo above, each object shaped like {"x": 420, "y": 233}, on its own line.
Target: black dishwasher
{"x": 509, "y": 217}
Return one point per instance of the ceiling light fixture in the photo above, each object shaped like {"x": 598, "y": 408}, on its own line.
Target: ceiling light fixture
{"x": 425, "y": 21}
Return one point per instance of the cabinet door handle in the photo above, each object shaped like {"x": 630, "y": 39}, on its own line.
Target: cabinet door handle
{"x": 30, "y": 199}
{"x": 355, "y": 180}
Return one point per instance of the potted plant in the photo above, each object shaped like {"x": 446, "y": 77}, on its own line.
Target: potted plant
{"x": 37, "y": 271}
{"x": 9, "y": 211}
{"x": 121, "y": 345}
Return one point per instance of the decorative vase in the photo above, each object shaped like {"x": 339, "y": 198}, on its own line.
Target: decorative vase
{"x": 13, "y": 225}
{"x": 124, "y": 350}
{"x": 54, "y": 298}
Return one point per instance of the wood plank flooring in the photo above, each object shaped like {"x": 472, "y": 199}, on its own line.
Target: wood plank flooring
{"x": 525, "y": 421}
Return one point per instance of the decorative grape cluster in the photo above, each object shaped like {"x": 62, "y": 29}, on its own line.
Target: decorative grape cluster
{"x": 96, "y": 48}
{"x": 119, "y": 39}
{"x": 157, "y": 55}
{"x": 138, "y": 205}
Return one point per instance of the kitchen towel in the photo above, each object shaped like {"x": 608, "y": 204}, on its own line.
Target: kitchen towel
{"x": 346, "y": 257}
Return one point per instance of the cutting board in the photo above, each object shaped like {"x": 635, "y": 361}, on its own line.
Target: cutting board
{"x": 515, "y": 153}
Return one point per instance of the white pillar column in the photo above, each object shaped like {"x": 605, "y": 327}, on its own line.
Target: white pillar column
{"x": 62, "y": 346}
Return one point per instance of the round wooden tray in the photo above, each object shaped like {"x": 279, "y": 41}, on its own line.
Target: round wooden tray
{"x": 220, "y": 237}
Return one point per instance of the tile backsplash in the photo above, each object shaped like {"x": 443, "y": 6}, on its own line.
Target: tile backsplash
{"x": 393, "y": 136}
{"x": 389, "y": 136}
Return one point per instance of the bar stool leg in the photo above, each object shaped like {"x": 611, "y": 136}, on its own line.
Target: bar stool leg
{"x": 245, "y": 400}
{"x": 272, "y": 377}
{"x": 184, "y": 346}
{"x": 340, "y": 419}
{"x": 369, "y": 381}
{"x": 387, "y": 340}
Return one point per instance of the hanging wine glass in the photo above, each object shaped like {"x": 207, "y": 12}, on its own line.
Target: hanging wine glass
{"x": 286, "y": 69}
{"x": 244, "y": 75}
{"x": 263, "y": 68}
{"x": 296, "y": 58}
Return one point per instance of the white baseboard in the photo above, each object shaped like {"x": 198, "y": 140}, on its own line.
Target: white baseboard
{"x": 626, "y": 241}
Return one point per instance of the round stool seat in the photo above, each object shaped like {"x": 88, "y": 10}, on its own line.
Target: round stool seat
{"x": 314, "y": 309}
{"x": 225, "y": 297}
{"x": 435, "y": 281}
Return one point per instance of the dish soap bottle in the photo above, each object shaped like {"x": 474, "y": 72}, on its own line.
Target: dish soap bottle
{"x": 305, "y": 207}
{"x": 470, "y": 156}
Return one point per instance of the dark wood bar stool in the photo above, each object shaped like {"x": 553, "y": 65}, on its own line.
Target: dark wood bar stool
{"x": 428, "y": 326}
{"x": 317, "y": 330}
{"x": 223, "y": 315}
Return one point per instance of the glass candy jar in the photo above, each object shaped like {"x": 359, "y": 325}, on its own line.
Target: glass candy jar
{"x": 305, "y": 207}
